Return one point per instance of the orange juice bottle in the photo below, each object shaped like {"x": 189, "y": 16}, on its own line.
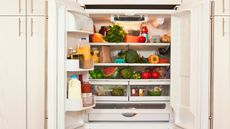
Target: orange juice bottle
{"x": 84, "y": 49}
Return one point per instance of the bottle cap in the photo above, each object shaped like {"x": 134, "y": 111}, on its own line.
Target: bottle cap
{"x": 73, "y": 77}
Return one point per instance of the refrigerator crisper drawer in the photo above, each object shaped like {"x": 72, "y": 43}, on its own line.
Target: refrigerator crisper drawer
{"x": 130, "y": 112}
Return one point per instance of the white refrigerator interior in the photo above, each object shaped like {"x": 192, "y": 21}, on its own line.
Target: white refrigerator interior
{"x": 184, "y": 99}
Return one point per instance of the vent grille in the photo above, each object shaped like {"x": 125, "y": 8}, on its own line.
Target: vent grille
{"x": 129, "y": 18}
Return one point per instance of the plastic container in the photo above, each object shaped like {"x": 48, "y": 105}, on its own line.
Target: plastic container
{"x": 87, "y": 99}
{"x": 155, "y": 39}
{"x": 74, "y": 88}
{"x": 72, "y": 65}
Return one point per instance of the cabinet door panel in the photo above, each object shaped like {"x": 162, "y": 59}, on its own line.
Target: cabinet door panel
{"x": 36, "y": 7}
{"x": 221, "y": 72}
{"x": 13, "y": 7}
{"x": 222, "y": 7}
{"x": 36, "y": 72}
{"x": 13, "y": 73}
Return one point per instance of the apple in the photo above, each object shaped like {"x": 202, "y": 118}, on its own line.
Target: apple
{"x": 155, "y": 75}
{"x": 141, "y": 39}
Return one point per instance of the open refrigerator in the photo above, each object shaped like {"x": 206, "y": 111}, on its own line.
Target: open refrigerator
{"x": 183, "y": 101}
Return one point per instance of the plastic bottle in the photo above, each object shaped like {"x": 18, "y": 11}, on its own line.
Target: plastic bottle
{"x": 74, "y": 88}
{"x": 84, "y": 49}
{"x": 144, "y": 32}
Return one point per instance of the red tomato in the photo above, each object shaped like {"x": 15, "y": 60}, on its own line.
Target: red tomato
{"x": 163, "y": 60}
{"x": 145, "y": 75}
{"x": 141, "y": 39}
{"x": 155, "y": 75}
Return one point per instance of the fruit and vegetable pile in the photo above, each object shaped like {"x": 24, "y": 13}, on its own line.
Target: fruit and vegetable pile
{"x": 132, "y": 56}
{"x": 130, "y": 73}
{"x": 117, "y": 34}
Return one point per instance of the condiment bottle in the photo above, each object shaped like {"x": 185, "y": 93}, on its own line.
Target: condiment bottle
{"x": 87, "y": 95}
{"x": 141, "y": 92}
{"x": 70, "y": 51}
{"x": 144, "y": 32}
{"x": 74, "y": 88}
{"x": 134, "y": 92}
{"x": 74, "y": 55}
{"x": 95, "y": 55}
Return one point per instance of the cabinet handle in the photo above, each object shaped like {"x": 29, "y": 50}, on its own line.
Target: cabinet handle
{"x": 32, "y": 6}
{"x": 223, "y": 30}
{"x": 31, "y": 27}
{"x": 212, "y": 9}
{"x": 19, "y": 6}
{"x": 19, "y": 27}
{"x": 223, "y": 7}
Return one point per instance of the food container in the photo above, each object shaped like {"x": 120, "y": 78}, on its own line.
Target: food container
{"x": 156, "y": 91}
{"x": 155, "y": 39}
{"x": 87, "y": 99}
{"x": 134, "y": 92}
{"x": 118, "y": 91}
{"x": 119, "y": 60}
{"x": 72, "y": 65}
{"x": 141, "y": 92}
{"x": 131, "y": 39}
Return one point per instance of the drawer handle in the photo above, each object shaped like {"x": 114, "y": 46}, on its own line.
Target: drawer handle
{"x": 129, "y": 114}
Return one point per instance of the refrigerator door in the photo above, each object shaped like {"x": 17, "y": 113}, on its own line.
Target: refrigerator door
{"x": 189, "y": 67}
{"x": 57, "y": 72}
{"x": 221, "y": 93}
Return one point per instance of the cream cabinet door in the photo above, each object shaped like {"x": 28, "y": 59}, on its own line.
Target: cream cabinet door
{"x": 13, "y": 7}
{"x": 222, "y": 7}
{"x": 36, "y": 7}
{"x": 36, "y": 43}
{"x": 13, "y": 73}
{"x": 222, "y": 73}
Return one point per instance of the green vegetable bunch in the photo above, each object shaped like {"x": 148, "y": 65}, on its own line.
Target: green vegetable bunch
{"x": 117, "y": 91}
{"x": 136, "y": 75}
{"x": 115, "y": 33}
